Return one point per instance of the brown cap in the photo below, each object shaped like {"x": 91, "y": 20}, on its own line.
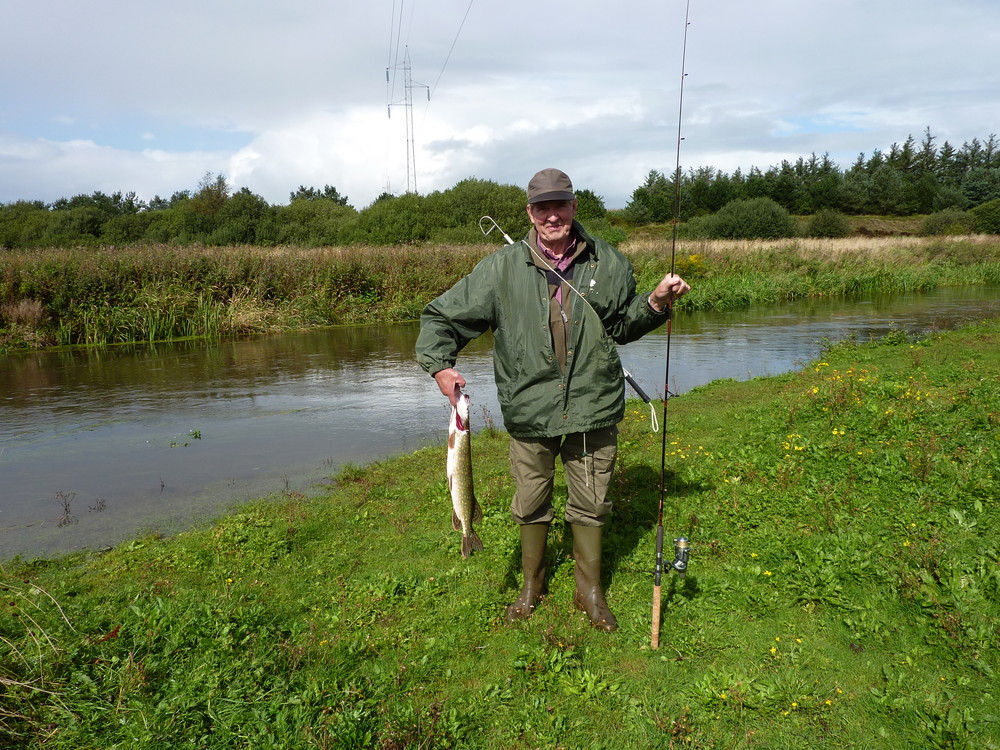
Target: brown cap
{"x": 550, "y": 185}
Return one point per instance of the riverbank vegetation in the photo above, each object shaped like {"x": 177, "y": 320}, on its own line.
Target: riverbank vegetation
{"x": 843, "y": 591}
{"x": 149, "y": 293}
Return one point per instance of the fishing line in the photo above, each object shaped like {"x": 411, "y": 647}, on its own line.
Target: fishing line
{"x": 681, "y": 546}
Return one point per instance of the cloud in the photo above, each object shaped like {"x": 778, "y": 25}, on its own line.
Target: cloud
{"x": 274, "y": 98}
{"x": 67, "y": 168}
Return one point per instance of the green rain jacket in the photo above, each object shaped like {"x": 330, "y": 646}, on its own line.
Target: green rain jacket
{"x": 508, "y": 293}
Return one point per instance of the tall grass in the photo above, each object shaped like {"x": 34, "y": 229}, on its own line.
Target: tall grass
{"x": 145, "y": 293}
{"x": 734, "y": 274}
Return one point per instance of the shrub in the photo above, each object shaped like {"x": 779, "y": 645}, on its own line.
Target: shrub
{"x": 755, "y": 218}
{"x": 653, "y": 201}
{"x": 828, "y": 223}
{"x": 26, "y": 312}
{"x": 314, "y": 222}
{"x": 695, "y": 228}
{"x": 607, "y": 231}
{"x": 125, "y": 228}
{"x": 949, "y": 196}
{"x": 948, "y": 221}
{"x": 988, "y": 217}
{"x": 590, "y": 206}
{"x": 165, "y": 225}
{"x": 461, "y": 207}
{"x": 244, "y": 219}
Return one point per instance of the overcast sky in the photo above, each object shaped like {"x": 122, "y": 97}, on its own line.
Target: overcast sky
{"x": 149, "y": 95}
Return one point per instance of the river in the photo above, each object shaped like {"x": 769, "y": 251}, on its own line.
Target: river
{"x": 97, "y": 445}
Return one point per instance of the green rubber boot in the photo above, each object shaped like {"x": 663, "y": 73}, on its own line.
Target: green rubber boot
{"x": 589, "y": 596}
{"x": 533, "y": 538}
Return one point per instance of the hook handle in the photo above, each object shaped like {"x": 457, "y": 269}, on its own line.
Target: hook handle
{"x": 486, "y": 232}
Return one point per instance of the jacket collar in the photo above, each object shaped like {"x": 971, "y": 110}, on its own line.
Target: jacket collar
{"x": 584, "y": 243}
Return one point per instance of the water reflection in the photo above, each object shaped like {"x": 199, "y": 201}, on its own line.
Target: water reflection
{"x": 157, "y": 436}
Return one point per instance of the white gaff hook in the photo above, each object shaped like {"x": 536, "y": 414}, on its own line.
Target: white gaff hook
{"x": 486, "y": 232}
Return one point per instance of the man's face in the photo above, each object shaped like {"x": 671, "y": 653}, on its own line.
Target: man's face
{"x": 553, "y": 220}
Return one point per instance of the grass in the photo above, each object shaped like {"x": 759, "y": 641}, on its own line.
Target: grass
{"x": 110, "y": 295}
{"x": 844, "y": 591}
{"x": 735, "y": 274}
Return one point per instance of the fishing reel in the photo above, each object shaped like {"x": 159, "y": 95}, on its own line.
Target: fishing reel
{"x": 682, "y": 547}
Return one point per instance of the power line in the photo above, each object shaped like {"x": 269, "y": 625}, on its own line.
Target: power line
{"x": 394, "y": 64}
{"x": 454, "y": 42}
{"x": 411, "y": 150}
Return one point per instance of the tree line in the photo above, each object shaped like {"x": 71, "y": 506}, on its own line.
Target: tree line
{"x": 214, "y": 215}
{"x": 908, "y": 179}
{"x": 912, "y": 178}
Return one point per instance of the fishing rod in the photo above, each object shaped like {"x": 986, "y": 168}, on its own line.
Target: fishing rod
{"x": 681, "y": 545}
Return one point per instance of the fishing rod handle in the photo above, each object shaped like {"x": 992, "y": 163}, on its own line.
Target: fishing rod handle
{"x": 635, "y": 386}
{"x": 655, "y": 640}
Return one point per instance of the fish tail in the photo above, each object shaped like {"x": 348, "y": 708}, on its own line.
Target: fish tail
{"x": 471, "y": 543}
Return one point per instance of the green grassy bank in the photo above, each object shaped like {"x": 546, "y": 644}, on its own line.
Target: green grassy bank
{"x": 844, "y": 592}
{"x": 95, "y": 296}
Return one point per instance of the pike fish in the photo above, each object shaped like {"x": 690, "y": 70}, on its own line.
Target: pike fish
{"x": 465, "y": 511}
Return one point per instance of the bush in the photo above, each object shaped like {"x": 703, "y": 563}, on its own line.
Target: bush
{"x": 590, "y": 206}
{"x": 948, "y": 221}
{"x": 988, "y": 217}
{"x": 461, "y": 207}
{"x": 244, "y": 219}
{"x": 126, "y": 228}
{"x": 315, "y": 222}
{"x": 828, "y": 223}
{"x": 949, "y": 196}
{"x": 653, "y": 201}
{"x": 165, "y": 226}
{"x": 396, "y": 220}
{"x": 695, "y": 228}
{"x": 755, "y": 218}
{"x": 607, "y": 231}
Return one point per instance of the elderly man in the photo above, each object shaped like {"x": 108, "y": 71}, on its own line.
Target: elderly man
{"x": 557, "y": 302}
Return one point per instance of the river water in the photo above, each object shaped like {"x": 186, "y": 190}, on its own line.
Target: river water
{"x": 98, "y": 445}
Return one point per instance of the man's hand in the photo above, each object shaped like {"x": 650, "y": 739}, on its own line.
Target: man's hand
{"x": 668, "y": 291}
{"x": 450, "y": 381}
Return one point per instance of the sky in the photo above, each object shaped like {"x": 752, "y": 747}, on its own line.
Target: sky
{"x": 151, "y": 95}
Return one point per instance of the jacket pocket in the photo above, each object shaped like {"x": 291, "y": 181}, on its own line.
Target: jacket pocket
{"x": 612, "y": 360}
{"x": 508, "y": 362}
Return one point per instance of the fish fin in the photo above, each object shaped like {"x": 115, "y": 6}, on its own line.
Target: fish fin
{"x": 477, "y": 511}
{"x": 471, "y": 543}
{"x": 455, "y": 523}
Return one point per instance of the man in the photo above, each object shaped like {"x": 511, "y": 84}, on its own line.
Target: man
{"x": 557, "y": 302}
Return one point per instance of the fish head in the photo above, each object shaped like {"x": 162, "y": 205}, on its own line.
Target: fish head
{"x": 462, "y": 412}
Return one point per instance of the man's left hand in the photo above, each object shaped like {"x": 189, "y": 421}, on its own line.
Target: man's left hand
{"x": 668, "y": 291}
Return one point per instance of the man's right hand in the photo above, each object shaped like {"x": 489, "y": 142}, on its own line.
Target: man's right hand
{"x": 450, "y": 381}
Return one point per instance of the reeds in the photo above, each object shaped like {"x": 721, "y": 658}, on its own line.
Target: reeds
{"x": 738, "y": 273}
{"x": 150, "y": 293}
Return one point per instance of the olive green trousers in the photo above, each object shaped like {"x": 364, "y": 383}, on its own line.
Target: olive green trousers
{"x": 589, "y": 461}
